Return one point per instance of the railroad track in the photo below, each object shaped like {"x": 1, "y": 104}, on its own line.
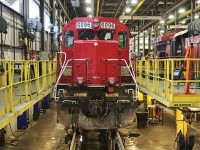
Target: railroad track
{"x": 97, "y": 140}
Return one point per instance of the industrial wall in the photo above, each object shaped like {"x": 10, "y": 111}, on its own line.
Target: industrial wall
{"x": 12, "y": 44}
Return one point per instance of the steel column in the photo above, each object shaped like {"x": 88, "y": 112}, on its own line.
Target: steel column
{"x": 144, "y": 42}
{"x": 149, "y": 41}
{"x": 138, "y": 46}
{"x": 192, "y": 9}
{"x": 42, "y": 8}
{"x": 25, "y": 11}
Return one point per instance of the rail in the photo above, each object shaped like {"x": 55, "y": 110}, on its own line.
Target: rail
{"x": 164, "y": 79}
{"x": 119, "y": 141}
{"x": 22, "y": 81}
{"x": 73, "y": 143}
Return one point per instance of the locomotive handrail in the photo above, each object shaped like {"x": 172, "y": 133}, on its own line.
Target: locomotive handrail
{"x": 131, "y": 73}
{"x": 61, "y": 72}
{"x": 64, "y": 59}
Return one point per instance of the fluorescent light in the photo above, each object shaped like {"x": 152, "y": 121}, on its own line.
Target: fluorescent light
{"x": 89, "y": 15}
{"x": 88, "y": 9}
{"x": 134, "y": 2}
{"x": 198, "y": 1}
{"x": 87, "y": 1}
{"x": 183, "y": 21}
{"x": 196, "y": 16}
{"x": 128, "y": 10}
{"x": 182, "y": 10}
{"x": 162, "y": 21}
{"x": 171, "y": 16}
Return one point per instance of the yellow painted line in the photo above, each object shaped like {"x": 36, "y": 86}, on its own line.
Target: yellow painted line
{"x": 20, "y": 108}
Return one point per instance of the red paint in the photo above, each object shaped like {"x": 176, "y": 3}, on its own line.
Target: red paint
{"x": 95, "y": 70}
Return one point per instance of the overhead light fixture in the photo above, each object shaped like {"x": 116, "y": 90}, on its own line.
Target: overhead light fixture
{"x": 198, "y": 1}
{"x": 88, "y": 9}
{"x": 162, "y": 31}
{"x": 182, "y": 10}
{"x": 183, "y": 21}
{"x": 162, "y": 21}
{"x": 134, "y": 1}
{"x": 171, "y": 16}
{"x": 128, "y": 10}
{"x": 196, "y": 17}
{"x": 87, "y": 1}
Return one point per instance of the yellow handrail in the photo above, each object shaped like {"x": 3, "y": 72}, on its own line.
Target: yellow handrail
{"x": 156, "y": 76}
{"x": 21, "y": 81}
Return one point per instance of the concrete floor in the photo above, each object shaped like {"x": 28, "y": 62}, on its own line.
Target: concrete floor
{"x": 153, "y": 137}
{"x": 47, "y": 134}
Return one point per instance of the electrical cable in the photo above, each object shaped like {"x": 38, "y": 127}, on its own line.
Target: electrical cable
{"x": 14, "y": 140}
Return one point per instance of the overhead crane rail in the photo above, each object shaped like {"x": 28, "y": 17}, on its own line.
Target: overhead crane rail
{"x": 22, "y": 84}
{"x": 158, "y": 78}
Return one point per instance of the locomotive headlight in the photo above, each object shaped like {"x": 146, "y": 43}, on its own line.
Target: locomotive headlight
{"x": 111, "y": 80}
{"x": 96, "y": 22}
{"x": 80, "y": 80}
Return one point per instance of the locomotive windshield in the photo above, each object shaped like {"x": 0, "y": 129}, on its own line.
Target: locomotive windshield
{"x": 91, "y": 35}
{"x": 105, "y": 35}
{"x": 86, "y": 35}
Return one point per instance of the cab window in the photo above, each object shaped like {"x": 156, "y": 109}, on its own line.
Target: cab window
{"x": 69, "y": 38}
{"x": 86, "y": 35}
{"x": 122, "y": 39}
{"x": 105, "y": 35}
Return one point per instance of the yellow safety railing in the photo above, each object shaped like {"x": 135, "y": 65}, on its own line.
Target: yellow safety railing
{"x": 160, "y": 76}
{"x": 22, "y": 81}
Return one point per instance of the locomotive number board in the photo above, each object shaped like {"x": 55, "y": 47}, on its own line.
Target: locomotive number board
{"x": 83, "y": 25}
{"x": 107, "y": 25}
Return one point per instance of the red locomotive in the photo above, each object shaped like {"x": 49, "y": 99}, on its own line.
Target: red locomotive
{"x": 96, "y": 83}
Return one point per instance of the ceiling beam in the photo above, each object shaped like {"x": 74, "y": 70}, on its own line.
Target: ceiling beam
{"x": 98, "y": 4}
{"x": 174, "y": 6}
{"x": 63, "y": 9}
{"x": 140, "y": 17}
{"x": 135, "y": 9}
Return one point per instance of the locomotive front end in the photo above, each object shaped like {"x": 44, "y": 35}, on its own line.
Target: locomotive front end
{"x": 96, "y": 85}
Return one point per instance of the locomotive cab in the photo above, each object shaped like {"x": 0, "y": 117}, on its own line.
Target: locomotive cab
{"x": 95, "y": 78}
